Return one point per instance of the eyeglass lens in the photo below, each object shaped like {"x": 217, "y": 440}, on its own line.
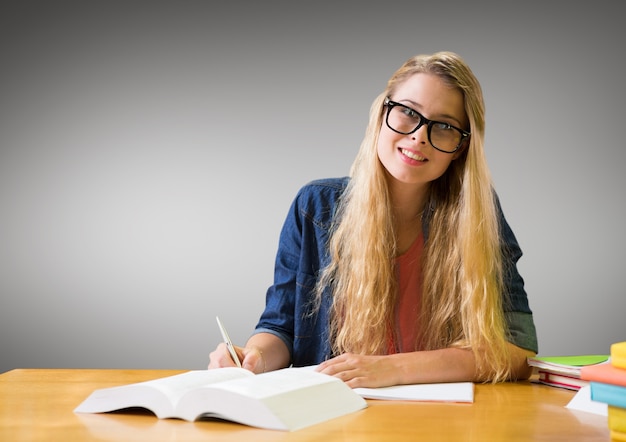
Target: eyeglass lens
{"x": 441, "y": 135}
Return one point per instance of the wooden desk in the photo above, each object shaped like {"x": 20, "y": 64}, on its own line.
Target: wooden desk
{"x": 38, "y": 404}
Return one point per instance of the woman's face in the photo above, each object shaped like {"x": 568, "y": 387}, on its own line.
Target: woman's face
{"x": 411, "y": 159}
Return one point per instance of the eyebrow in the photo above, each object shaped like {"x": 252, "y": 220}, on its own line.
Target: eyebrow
{"x": 443, "y": 116}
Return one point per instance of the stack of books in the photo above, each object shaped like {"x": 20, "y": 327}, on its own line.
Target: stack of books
{"x": 608, "y": 385}
{"x": 563, "y": 371}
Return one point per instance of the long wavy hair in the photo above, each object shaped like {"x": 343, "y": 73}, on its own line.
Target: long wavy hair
{"x": 462, "y": 261}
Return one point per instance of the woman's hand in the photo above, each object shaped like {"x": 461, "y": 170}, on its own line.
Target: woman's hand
{"x": 363, "y": 371}
{"x": 263, "y": 352}
{"x": 220, "y": 357}
{"x": 251, "y": 358}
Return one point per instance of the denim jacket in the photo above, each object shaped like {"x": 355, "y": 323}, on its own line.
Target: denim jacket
{"x": 302, "y": 253}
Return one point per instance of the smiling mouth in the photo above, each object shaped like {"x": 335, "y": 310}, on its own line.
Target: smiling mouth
{"x": 412, "y": 155}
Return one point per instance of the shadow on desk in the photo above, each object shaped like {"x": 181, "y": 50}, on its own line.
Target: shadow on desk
{"x": 112, "y": 426}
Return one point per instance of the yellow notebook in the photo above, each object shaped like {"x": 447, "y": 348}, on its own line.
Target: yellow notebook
{"x": 618, "y": 354}
{"x": 617, "y": 418}
{"x": 618, "y": 436}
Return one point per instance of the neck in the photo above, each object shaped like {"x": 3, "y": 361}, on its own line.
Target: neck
{"x": 408, "y": 202}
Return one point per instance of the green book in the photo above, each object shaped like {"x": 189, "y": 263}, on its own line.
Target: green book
{"x": 566, "y": 365}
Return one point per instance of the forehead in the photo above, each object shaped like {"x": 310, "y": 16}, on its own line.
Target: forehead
{"x": 431, "y": 95}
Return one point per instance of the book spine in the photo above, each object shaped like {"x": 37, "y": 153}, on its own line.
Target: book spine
{"x": 605, "y": 373}
{"x": 617, "y": 418}
{"x": 569, "y": 382}
{"x": 618, "y": 355}
{"x": 609, "y": 394}
{"x": 559, "y": 384}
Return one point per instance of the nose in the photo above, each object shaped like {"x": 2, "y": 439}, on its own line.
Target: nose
{"x": 421, "y": 134}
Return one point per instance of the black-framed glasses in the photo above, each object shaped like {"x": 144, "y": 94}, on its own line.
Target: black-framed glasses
{"x": 405, "y": 120}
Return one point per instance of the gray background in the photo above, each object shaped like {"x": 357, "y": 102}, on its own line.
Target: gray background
{"x": 149, "y": 153}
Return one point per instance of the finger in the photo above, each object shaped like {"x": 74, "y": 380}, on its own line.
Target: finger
{"x": 333, "y": 362}
{"x": 253, "y": 360}
{"x": 356, "y": 382}
{"x": 336, "y": 365}
{"x": 220, "y": 357}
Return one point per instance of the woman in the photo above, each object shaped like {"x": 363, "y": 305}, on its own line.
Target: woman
{"x": 405, "y": 272}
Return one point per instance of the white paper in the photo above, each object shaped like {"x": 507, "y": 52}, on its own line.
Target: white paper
{"x": 439, "y": 392}
{"x": 582, "y": 401}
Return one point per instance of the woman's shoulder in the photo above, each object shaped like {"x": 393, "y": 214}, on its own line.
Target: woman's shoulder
{"x": 324, "y": 188}
{"x": 318, "y": 199}
{"x": 336, "y": 183}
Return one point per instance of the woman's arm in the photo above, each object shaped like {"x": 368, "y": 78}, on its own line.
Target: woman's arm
{"x": 445, "y": 365}
{"x": 265, "y": 352}
{"x": 520, "y": 370}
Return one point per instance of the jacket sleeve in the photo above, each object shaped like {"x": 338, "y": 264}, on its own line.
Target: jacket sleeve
{"x": 302, "y": 252}
{"x": 517, "y": 311}
{"x": 278, "y": 316}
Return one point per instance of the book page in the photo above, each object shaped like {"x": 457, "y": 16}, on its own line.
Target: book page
{"x": 286, "y": 399}
{"x": 176, "y": 386}
{"x": 275, "y": 383}
{"x": 159, "y": 395}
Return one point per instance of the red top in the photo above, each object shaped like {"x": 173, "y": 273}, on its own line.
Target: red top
{"x": 409, "y": 267}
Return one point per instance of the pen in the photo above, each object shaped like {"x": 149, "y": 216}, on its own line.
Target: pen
{"x": 228, "y": 342}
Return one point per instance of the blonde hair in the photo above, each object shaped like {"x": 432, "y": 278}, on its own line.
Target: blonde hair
{"x": 462, "y": 261}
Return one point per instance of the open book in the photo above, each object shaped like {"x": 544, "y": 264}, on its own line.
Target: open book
{"x": 287, "y": 399}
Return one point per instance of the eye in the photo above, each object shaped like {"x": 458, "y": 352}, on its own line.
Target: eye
{"x": 443, "y": 127}
{"x": 407, "y": 111}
